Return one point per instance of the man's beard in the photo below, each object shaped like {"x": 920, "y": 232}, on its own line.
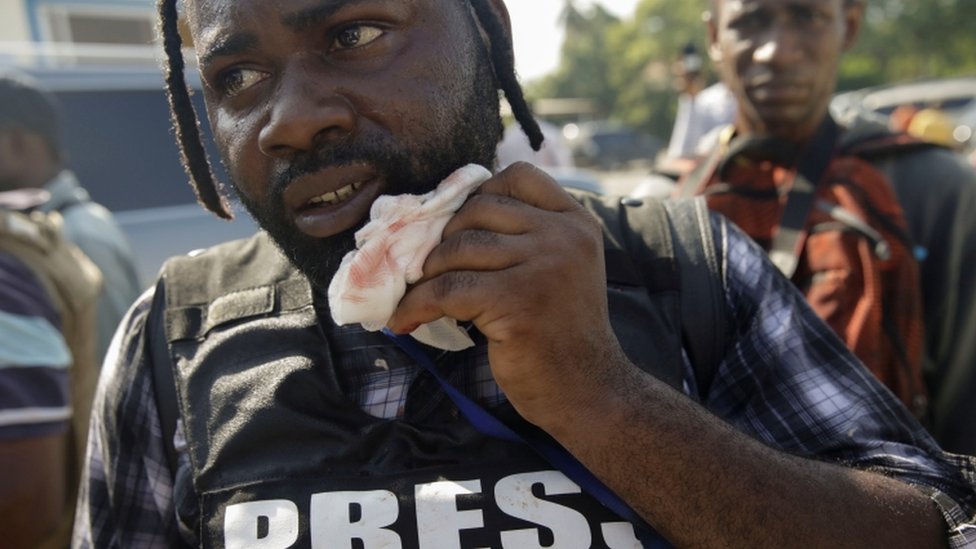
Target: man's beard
{"x": 468, "y": 132}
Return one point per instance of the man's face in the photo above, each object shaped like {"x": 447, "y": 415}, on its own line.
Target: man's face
{"x": 780, "y": 58}
{"x": 22, "y": 163}
{"x": 320, "y": 106}
{"x": 8, "y": 159}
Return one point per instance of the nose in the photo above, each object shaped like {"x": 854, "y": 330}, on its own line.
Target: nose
{"x": 780, "y": 46}
{"x": 304, "y": 112}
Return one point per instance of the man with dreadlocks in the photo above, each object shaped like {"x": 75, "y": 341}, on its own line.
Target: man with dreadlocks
{"x": 235, "y": 413}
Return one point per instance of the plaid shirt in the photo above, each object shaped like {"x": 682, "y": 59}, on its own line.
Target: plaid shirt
{"x": 787, "y": 380}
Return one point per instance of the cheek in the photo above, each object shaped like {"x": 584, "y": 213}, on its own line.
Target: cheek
{"x": 733, "y": 54}
{"x": 236, "y": 140}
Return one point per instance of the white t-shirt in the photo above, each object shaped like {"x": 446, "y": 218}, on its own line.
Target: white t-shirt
{"x": 713, "y": 107}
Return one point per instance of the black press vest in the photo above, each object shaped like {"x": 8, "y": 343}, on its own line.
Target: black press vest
{"x": 282, "y": 458}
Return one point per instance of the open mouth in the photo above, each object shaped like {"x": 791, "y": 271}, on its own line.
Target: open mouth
{"x": 335, "y": 197}
{"x": 321, "y": 210}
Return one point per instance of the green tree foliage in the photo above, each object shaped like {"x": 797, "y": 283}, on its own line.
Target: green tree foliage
{"x": 910, "y": 39}
{"x": 624, "y": 66}
{"x": 646, "y": 47}
{"x": 583, "y": 70}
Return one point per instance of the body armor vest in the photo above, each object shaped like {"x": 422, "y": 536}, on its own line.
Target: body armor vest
{"x": 281, "y": 457}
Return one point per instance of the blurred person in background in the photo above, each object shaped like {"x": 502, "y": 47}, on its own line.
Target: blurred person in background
{"x": 901, "y": 117}
{"x": 48, "y": 290}
{"x": 780, "y": 59}
{"x": 701, "y": 109}
{"x": 31, "y": 157}
{"x": 932, "y": 125}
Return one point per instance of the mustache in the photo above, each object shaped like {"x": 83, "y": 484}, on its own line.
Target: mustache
{"x": 383, "y": 156}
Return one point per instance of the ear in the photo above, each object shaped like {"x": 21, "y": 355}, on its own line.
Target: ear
{"x": 853, "y": 16}
{"x": 711, "y": 28}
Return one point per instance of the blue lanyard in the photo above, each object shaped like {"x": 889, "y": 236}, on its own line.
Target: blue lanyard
{"x": 544, "y": 445}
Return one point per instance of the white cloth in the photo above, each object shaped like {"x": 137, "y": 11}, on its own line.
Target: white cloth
{"x": 390, "y": 254}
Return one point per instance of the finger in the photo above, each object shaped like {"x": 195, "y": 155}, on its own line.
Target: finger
{"x": 477, "y": 250}
{"x": 494, "y": 212}
{"x": 455, "y": 294}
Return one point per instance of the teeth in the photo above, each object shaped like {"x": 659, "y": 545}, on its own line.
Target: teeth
{"x": 336, "y": 196}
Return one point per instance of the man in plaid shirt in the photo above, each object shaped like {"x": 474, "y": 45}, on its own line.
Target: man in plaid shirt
{"x": 293, "y": 430}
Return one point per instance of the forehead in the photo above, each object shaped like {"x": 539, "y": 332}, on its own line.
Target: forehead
{"x": 738, "y": 6}
{"x": 207, "y": 12}
{"x": 209, "y": 17}
{"x": 223, "y": 28}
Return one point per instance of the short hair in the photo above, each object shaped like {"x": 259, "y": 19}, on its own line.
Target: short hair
{"x": 25, "y": 104}
{"x": 187, "y": 124}
{"x": 847, "y": 3}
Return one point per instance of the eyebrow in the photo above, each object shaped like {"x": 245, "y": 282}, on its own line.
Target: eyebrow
{"x": 298, "y": 21}
{"x": 309, "y": 17}
{"x": 231, "y": 45}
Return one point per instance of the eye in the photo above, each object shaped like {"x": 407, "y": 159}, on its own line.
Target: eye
{"x": 750, "y": 21}
{"x": 803, "y": 14}
{"x": 356, "y": 36}
{"x": 235, "y": 81}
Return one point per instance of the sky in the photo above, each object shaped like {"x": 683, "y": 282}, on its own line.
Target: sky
{"x": 538, "y": 37}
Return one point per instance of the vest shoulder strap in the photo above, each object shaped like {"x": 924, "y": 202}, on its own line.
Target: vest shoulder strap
{"x": 164, "y": 382}
{"x": 196, "y": 293}
{"x": 659, "y": 242}
{"x": 702, "y": 266}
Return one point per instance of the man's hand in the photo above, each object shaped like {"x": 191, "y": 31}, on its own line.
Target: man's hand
{"x": 523, "y": 261}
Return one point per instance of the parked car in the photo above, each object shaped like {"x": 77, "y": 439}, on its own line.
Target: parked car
{"x": 952, "y": 95}
{"x": 606, "y": 146}
{"x": 965, "y": 130}
{"x": 955, "y": 97}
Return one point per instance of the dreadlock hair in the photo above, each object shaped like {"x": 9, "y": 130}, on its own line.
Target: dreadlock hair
{"x": 184, "y": 116}
{"x": 503, "y": 59}
{"x": 187, "y": 124}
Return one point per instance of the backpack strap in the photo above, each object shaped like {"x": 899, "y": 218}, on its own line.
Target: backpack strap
{"x": 640, "y": 231}
{"x": 788, "y": 241}
{"x": 701, "y": 265}
{"x": 164, "y": 382}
